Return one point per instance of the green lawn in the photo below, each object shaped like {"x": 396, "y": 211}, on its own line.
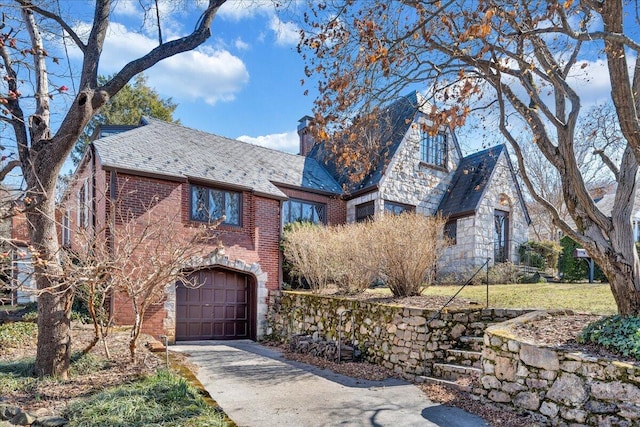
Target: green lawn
{"x": 581, "y": 297}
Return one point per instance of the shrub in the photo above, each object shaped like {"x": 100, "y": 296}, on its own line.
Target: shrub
{"x": 504, "y": 272}
{"x": 401, "y": 250}
{"x": 618, "y": 334}
{"x": 408, "y": 247}
{"x": 542, "y": 254}
{"x": 306, "y": 249}
{"x": 352, "y": 266}
{"x": 572, "y": 268}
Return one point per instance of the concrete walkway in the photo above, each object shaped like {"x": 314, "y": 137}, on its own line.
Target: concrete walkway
{"x": 257, "y": 387}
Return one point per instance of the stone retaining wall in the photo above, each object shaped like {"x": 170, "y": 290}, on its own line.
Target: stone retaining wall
{"x": 561, "y": 387}
{"x": 402, "y": 339}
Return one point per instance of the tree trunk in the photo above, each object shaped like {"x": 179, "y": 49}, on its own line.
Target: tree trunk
{"x": 55, "y": 294}
{"x": 55, "y": 297}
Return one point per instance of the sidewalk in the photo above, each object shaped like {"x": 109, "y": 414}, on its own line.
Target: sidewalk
{"x": 257, "y": 387}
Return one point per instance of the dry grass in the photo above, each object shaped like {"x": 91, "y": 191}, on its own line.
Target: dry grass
{"x": 580, "y": 297}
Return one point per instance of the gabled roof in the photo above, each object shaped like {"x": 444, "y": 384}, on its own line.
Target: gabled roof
{"x": 172, "y": 151}
{"x": 470, "y": 182}
{"x": 395, "y": 121}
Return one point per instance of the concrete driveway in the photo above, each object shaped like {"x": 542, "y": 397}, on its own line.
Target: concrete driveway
{"x": 257, "y": 387}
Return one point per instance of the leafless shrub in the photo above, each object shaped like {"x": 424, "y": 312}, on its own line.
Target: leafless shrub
{"x": 504, "y": 273}
{"x": 408, "y": 246}
{"x": 139, "y": 257}
{"x": 306, "y": 248}
{"x": 353, "y": 266}
{"x": 402, "y": 250}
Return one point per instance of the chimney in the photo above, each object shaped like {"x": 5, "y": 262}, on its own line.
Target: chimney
{"x": 306, "y": 140}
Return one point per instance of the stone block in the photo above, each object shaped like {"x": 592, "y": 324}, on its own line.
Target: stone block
{"x": 457, "y": 331}
{"x": 527, "y": 400}
{"x": 513, "y": 388}
{"x": 536, "y": 383}
{"x": 629, "y": 411}
{"x": 505, "y": 368}
{"x": 539, "y": 357}
{"x": 570, "y": 366}
{"x": 616, "y": 390}
{"x": 548, "y": 375}
{"x": 513, "y": 346}
{"x": 490, "y": 382}
{"x": 573, "y": 414}
{"x": 499, "y": 396}
{"x": 549, "y": 409}
{"x": 598, "y": 407}
{"x": 569, "y": 389}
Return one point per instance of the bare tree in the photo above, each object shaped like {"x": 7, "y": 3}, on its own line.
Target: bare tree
{"x": 43, "y": 150}
{"x": 525, "y": 61}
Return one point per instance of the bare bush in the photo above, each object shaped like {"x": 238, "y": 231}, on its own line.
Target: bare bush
{"x": 408, "y": 246}
{"x": 504, "y": 273}
{"x": 306, "y": 249}
{"x": 402, "y": 250}
{"x": 353, "y": 266}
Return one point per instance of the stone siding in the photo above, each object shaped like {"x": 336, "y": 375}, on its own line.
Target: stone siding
{"x": 560, "y": 387}
{"x": 403, "y": 339}
{"x": 475, "y": 242}
{"x": 410, "y": 181}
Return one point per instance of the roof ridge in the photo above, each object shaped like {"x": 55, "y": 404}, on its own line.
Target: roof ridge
{"x": 209, "y": 134}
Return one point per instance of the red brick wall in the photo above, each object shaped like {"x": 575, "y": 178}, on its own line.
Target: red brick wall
{"x": 256, "y": 240}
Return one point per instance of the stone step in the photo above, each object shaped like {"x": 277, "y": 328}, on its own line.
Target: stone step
{"x": 451, "y": 372}
{"x": 463, "y": 385}
{"x": 471, "y": 343}
{"x": 464, "y": 357}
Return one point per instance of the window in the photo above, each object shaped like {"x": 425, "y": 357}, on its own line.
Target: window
{"x": 451, "y": 231}
{"x": 208, "y": 204}
{"x": 83, "y": 205}
{"x": 397, "y": 208}
{"x": 501, "y": 237}
{"x": 300, "y": 210}
{"x": 433, "y": 148}
{"x": 365, "y": 211}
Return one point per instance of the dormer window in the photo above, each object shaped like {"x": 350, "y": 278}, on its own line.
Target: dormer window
{"x": 433, "y": 148}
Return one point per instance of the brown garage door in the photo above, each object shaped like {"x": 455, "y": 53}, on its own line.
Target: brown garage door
{"x": 218, "y": 309}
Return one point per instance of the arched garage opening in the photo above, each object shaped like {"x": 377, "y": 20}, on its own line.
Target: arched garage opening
{"x": 223, "y": 307}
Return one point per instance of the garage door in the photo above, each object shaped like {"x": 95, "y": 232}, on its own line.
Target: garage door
{"x": 218, "y": 309}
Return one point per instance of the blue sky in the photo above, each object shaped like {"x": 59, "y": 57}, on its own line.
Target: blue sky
{"x": 243, "y": 83}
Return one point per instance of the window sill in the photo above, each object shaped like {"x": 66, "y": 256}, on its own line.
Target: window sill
{"x": 426, "y": 165}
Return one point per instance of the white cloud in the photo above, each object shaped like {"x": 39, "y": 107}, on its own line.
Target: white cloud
{"x": 287, "y": 33}
{"x": 210, "y": 74}
{"x": 242, "y": 9}
{"x": 241, "y": 44}
{"x": 287, "y": 142}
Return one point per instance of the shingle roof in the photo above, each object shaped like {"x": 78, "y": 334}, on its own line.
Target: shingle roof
{"x": 469, "y": 182}
{"x": 171, "y": 150}
{"x": 395, "y": 121}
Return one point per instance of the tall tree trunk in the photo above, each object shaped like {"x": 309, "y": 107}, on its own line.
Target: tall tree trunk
{"x": 55, "y": 297}
{"x": 55, "y": 294}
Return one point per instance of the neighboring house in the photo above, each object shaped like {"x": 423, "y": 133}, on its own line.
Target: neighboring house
{"x": 479, "y": 194}
{"x": 260, "y": 190}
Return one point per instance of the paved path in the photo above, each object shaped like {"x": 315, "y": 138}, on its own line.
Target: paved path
{"x": 257, "y": 387}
